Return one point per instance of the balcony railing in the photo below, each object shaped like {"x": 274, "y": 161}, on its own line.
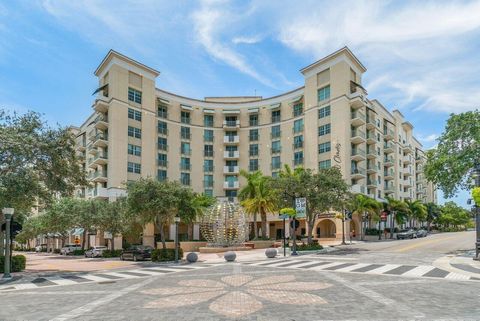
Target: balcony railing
{"x": 231, "y": 139}
{"x": 358, "y": 152}
{"x": 232, "y": 184}
{"x": 185, "y": 167}
{"x": 162, "y": 162}
{"x": 231, "y": 154}
{"x": 358, "y": 133}
{"x": 207, "y": 168}
{"x": 298, "y": 161}
{"x": 358, "y": 171}
{"x": 231, "y": 123}
{"x": 230, "y": 169}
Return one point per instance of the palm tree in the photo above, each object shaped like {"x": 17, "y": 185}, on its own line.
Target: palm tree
{"x": 433, "y": 212}
{"x": 398, "y": 210}
{"x": 263, "y": 202}
{"x": 362, "y": 205}
{"x": 249, "y": 192}
{"x": 416, "y": 211}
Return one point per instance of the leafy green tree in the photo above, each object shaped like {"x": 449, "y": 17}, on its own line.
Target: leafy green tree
{"x": 449, "y": 164}
{"x": 396, "y": 208}
{"x": 476, "y": 195}
{"x": 433, "y": 212}
{"x": 32, "y": 227}
{"x": 195, "y": 211}
{"x": 37, "y": 163}
{"x": 453, "y": 215}
{"x": 363, "y": 206}
{"x": 112, "y": 217}
{"x": 60, "y": 217}
{"x": 264, "y": 201}
{"x": 416, "y": 211}
{"x": 324, "y": 191}
{"x": 249, "y": 192}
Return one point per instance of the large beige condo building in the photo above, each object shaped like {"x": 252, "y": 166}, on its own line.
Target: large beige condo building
{"x": 137, "y": 130}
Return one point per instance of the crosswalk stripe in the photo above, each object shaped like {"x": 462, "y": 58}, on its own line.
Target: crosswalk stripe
{"x": 25, "y": 286}
{"x": 94, "y": 278}
{"x": 301, "y": 264}
{"x": 383, "y": 269}
{"x": 323, "y": 267}
{"x": 457, "y": 276}
{"x": 120, "y": 275}
{"x": 60, "y": 281}
{"x": 165, "y": 268}
{"x": 353, "y": 267}
{"x": 146, "y": 272}
{"x": 419, "y": 271}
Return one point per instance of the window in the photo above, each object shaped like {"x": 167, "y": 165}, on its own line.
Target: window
{"x": 185, "y": 163}
{"x": 298, "y": 141}
{"x": 185, "y": 178}
{"x": 324, "y": 93}
{"x": 208, "y": 135}
{"x": 185, "y": 133}
{"x": 276, "y": 131}
{"x": 298, "y": 158}
{"x": 325, "y": 164}
{"x": 276, "y": 148}
{"x": 276, "y": 164}
{"x": 208, "y": 192}
{"x": 324, "y": 147}
{"x": 253, "y": 120}
{"x": 231, "y": 193}
{"x": 208, "y": 120}
{"x": 298, "y": 126}
{"x": 162, "y": 128}
{"x": 207, "y": 180}
{"x": 185, "y": 148}
{"x": 253, "y": 165}
{"x": 161, "y": 175}
{"x": 134, "y": 132}
{"x": 162, "y": 111}
{"x": 324, "y": 112}
{"x": 162, "y": 143}
{"x": 134, "y": 150}
{"x": 297, "y": 109}
{"x": 162, "y": 160}
{"x": 253, "y": 151}
{"x": 208, "y": 150}
{"x": 134, "y": 114}
{"x": 324, "y": 130}
{"x": 275, "y": 174}
{"x": 134, "y": 95}
{"x": 275, "y": 116}
{"x": 208, "y": 165}
{"x": 253, "y": 134}
{"x": 185, "y": 117}
{"x": 133, "y": 168}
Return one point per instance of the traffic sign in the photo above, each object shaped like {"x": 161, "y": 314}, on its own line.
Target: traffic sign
{"x": 284, "y": 216}
{"x": 297, "y": 224}
{"x": 301, "y": 207}
{"x": 383, "y": 216}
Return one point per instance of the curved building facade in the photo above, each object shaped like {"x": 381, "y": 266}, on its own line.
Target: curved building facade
{"x": 137, "y": 130}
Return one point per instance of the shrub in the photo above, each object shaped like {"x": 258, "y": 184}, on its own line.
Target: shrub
{"x": 372, "y": 231}
{"x": 78, "y": 252}
{"x": 309, "y": 247}
{"x": 163, "y": 255}
{"x": 18, "y": 263}
{"x": 56, "y": 251}
{"x": 110, "y": 253}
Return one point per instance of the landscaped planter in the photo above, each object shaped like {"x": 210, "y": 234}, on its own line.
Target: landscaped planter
{"x": 262, "y": 244}
{"x": 187, "y": 246}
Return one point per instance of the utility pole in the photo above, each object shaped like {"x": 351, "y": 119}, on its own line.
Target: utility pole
{"x": 476, "y": 176}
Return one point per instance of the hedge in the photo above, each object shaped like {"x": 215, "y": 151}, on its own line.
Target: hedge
{"x": 309, "y": 247}
{"x": 110, "y": 253}
{"x": 163, "y": 255}
{"x": 18, "y": 263}
{"x": 78, "y": 252}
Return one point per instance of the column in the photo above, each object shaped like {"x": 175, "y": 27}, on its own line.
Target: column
{"x": 171, "y": 232}
{"x": 149, "y": 235}
{"x": 196, "y": 231}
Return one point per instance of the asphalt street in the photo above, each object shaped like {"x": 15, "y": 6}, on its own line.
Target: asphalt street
{"x": 371, "y": 281}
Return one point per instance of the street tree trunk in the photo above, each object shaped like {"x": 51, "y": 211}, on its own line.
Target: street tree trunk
{"x": 264, "y": 223}
{"x": 190, "y": 231}
{"x": 311, "y": 222}
{"x": 85, "y": 235}
{"x": 255, "y": 230}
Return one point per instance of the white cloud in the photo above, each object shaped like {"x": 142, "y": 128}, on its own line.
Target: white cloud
{"x": 247, "y": 40}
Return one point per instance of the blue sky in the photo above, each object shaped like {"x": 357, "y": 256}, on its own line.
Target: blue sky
{"x": 422, "y": 56}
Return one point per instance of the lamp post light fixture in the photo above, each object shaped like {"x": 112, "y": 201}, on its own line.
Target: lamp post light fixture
{"x": 476, "y": 177}
{"x": 177, "y": 220}
{"x": 286, "y": 198}
{"x": 8, "y": 214}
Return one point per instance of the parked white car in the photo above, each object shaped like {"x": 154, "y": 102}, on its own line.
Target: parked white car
{"x": 95, "y": 251}
{"x": 69, "y": 248}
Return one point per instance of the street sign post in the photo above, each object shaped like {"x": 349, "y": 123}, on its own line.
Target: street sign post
{"x": 284, "y": 217}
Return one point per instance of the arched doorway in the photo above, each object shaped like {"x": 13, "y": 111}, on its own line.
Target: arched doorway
{"x": 326, "y": 229}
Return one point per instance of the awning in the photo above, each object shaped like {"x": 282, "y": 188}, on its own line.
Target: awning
{"x": 231, "y": 111}
{"x": 163, "y": 100}
{"x": 272, "y": 106}
{"x": 187, "y": 107}
{"x": 296, "y": 99}
{"x": 78, "y": 232}
{"x": 100, "y": 89}
{"x": 209, "y": 111}
{"x": 253, "y": 110}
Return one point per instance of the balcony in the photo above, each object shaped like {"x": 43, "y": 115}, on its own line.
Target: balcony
{"x": 358, "y": 154}
{"x": 370, "y": 122}
{"x": 207, "y": 184}
{"x": 101, "y": 122}
{"x": 358, "y": 189}
{"x": 388, "y": 189}
{"x": 372, "y": 168}
{"x": 186, "y": 151}
{"x": 208, "y": 153}
{"x": 388, "y": 134}
{"x": 421, "y": 190}
{"x": 298, "y": 161}
{"x": 407, "y": 183}
{"x": 100, "y": 140}
{"x": 419, "y": 169}
{"x": 357, "y": 96}
{"x": 231, "y": 123}
{"x": 230, "y": 185}
{"x": 275, "y": 150}
{"x": 371, "y": 153}
{"x": 357, "y": 118}
{"x": 231, "y": 154}
{"x": 162, "y": 162}
{"x": 231, "y": 169}
{"x": 388, "y": 148}
{"x": 99, "y": 193}
{"x": 207, "y": 169}
{"x": 371, "y": 139}
{"x": 388, "y": 175}
{"x": 408, "y": 148}
{"x": 408, "y": 172}
{"x": 407, "y": 160}
{"x": 101, "y": 158}
{"x": 371, "y": 183}
{"x": 357, "y": 136}
{"x": 185, "y": 167}
{"x": 358, "y": 173}
{"x": 101, "y": 105}
{"x": 98, "y": 177}
{"x": 418, "y": 159}
{"x": 388, "y": 161}
{"x": 231, "y": 139}
{"x": 298, "y": 145}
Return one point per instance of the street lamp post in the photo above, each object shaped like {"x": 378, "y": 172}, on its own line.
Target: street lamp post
{"x": 177, "y": 220}
{"x": 286, "y": 196}
{"x": 8, "y": 213}
{"x": 476, "y": 176}
{"x": 344, "y": 211}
